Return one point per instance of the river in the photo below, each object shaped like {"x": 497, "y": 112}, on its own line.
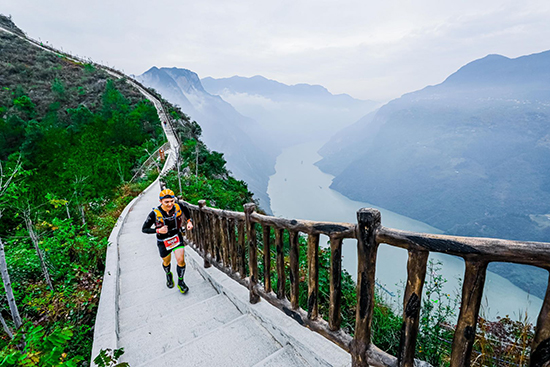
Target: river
{"x": 299, "y": 190}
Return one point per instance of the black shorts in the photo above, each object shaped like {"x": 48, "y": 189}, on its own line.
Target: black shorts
{"x": 164, "y": 252}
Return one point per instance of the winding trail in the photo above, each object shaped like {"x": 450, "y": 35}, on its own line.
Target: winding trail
{"x": 213, "y": 324}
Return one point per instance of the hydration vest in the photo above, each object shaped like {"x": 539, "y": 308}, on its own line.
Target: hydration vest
{"x": 161, "y": 220}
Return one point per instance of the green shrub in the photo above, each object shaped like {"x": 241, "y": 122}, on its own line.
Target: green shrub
{"x": 39, "y": 348}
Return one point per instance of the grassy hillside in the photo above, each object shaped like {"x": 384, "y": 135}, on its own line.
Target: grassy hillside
{"x": 74, "y": 138}
{"x": 71, "y": 140}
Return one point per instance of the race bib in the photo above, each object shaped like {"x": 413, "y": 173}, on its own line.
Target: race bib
{"x": 172, "y": 242}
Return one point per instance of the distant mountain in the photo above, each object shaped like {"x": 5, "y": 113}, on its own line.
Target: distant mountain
{"x": 250, "y": 156}
{"x": 470, "y": 156}
{"x": 290, "y": 113}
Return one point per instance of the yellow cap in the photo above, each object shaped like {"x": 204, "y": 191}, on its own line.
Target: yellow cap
{"x": 166, "y": 193}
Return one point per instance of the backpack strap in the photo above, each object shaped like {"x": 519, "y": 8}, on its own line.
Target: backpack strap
{"x": 160, "y": 218}
{"x": 178, "y": 210}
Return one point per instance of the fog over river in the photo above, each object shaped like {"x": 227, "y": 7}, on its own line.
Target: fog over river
{"x": 299, "y": 190}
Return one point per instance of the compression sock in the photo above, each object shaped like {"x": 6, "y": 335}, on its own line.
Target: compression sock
{"x": 181, "y": 284}
{"x": 169, "y": 278}
{"x": 181, "y": 272}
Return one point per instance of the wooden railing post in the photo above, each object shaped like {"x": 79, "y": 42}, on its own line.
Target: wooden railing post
{"x": 416, "y": 273}
{"x": 217, "y": 237}
{"x": 267, "y": 258}
{"x": 540, "y": 348}
{"x": 368, "y": 225}
{"x": 281, "y": 279}
{"x": 313, "y": 276}
{"x": 232, "y": 243}
{"x": 252, "y": 252}
{"x": 204, "y": 232}
{"x": 294, "y": 270}
{"x": 335, "y": 305}
{"x": 241, "y": 249}
{"x": 211, "y": 235}
{"x": 224, "y": 241}
{"x": 465, "y": 331}
{"x": 197, "y": 229}
{"x": 191, "y": 233}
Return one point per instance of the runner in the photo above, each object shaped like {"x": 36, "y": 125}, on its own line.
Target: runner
{"x": 168, "y": 219}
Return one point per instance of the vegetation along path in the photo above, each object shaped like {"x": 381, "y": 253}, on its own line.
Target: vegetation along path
{"x": 213, "y": 324}
{"x": 158, "y": 326}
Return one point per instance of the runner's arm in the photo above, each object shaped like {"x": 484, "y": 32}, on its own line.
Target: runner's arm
{"x": 150, "y": 221}
{"x": 185, "y": 211}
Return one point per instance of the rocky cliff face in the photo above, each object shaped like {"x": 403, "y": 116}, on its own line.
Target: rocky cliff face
{"x": 470, "y": 156}
{"x": 249, "y": 156}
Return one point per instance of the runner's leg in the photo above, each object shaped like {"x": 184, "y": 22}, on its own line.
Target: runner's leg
{"x": 180, "y": 258}
{"x": 166, "y": 266}
{"x": 166, "y": 260}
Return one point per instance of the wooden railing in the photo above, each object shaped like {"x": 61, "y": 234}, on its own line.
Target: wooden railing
{"x": 152, "y": 159}
{"x": 223, "y": 237}
{"x": 226, "y": 239}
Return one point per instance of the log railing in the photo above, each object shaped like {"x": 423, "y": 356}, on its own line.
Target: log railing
{"x": 228, "y": 239}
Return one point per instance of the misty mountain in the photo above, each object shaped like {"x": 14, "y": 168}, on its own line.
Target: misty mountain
{"x": 249, "y": 155}
{"x": 470, "y": 156}
{"x": 290, "y": 113}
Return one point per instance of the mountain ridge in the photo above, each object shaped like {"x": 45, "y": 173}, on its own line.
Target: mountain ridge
{"x": 238, "y": 82}
{"x": 469, "y": 156}
{"x": 289, "y": 113}
{"x": 242, "y": 141}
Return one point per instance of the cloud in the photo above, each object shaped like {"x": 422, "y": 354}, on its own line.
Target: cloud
{"x": 370, "y": 50}
{"x": 245, "y": 100}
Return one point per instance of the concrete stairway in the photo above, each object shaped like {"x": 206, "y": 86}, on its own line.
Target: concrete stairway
{"x": 161, "y": 327}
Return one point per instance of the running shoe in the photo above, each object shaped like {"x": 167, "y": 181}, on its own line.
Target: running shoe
{"x": 169, "y": 280}
{"x": 183, "y": 287}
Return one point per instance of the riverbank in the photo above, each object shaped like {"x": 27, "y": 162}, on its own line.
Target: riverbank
{"x": 300, "y": 190}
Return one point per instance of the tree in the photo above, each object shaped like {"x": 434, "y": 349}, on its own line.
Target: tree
{"x": 195, "y": 132}
{"x": 5, "y": 326}
{"x": 7, "y": 286}
{"x": 5, "y": 181}
{"x": 34, "y": 239}
{"x": 19, "y": 197}
{"x": 79, "y": 187}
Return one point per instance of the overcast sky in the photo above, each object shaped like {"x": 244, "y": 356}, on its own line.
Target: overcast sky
{"x": 368, "y": 49}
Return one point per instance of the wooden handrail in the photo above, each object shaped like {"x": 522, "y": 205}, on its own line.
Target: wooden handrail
{"x": 227, "y": 238}
{"x": 490, "y": 249}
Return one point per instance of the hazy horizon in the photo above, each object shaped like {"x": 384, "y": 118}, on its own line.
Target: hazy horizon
{"x": 369, "y": 51}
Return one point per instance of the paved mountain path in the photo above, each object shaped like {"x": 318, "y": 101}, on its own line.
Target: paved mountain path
{"x": 213, "y": 324}
{"x": 159, "y": 326}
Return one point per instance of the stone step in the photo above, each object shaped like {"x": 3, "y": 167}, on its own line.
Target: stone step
{"x": 287, "y": 357}
{"x": 151, "y": 277}
{"x": 240, "y": 343}
{"x": 157, "y": 334}
{"x": 163, "y": 296}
